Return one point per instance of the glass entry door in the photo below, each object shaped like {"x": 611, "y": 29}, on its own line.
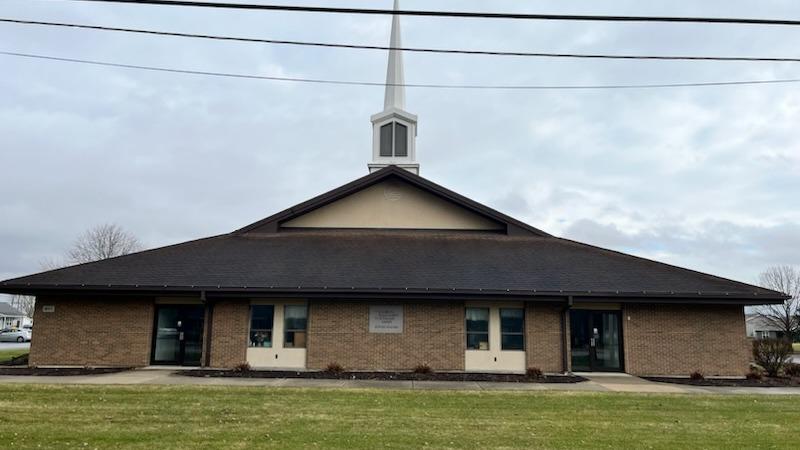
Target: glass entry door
{"x": 178, "y": 335}
{"x": 596, "y": 339}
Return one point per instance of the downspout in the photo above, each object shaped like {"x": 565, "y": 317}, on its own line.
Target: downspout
{"x": 564, "y": 338}
{"x": 208, "y": 328}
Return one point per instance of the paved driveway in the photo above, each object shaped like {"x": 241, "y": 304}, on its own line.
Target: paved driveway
{"x": 14, "y": 345}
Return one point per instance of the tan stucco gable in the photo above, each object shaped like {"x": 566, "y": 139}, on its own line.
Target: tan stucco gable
{"x": 393, "y": 204}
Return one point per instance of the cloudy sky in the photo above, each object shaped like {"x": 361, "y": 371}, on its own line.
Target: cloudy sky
{"x": 706, "y": 178}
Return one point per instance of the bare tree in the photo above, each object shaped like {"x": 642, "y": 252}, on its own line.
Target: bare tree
{"x": 103, "y": 242}
{"x": 784, "y": 316}
{"x": 24, "y": 303}
{"x": 50, "y": 263}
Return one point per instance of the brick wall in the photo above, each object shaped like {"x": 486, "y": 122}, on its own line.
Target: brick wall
{"x": 229, "y": 328}
{"x": 543, "y": 339}
{"x": 678, "y": 340}
{"x": 338, "y": 331}
{"x": 92, "y": 331}
{"x": 658, "y": 339}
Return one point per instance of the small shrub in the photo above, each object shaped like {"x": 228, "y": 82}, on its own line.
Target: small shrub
{"x": 21, "y": 360}
{"x": 242, "y": 368}
{"x": 335, "y": 368}
{"x": 423, "y": 369}
{"x": 534, "y": 373}
{"x": 771, "y": 354}
{"x": 754, "y": 375}
{"x": 792, "y": 370}
{"x": 696, "y": 376}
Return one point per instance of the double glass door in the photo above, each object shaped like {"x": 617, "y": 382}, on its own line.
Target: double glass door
{"x": 596, "y": 341}
{"x": 178, "y": 335}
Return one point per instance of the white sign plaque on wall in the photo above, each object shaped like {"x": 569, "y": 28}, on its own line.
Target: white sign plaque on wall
{"x": 386, "y": 319}
{"x": 48, "y": 308}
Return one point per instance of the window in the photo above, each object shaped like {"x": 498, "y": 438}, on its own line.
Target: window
{"x": 477, "y": 328}
{"x": 261, "y": 319}
{"x": 386, "y": 139}
{"x": 512, "y": 329}
{"x": 294, "y": 326}
{"x": 394, "y": 140}
{"x": 400, "y": 140}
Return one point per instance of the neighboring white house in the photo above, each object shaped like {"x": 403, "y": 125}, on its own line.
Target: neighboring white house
{"x": 758, "y": 328}
{"x": 11, "y": 317}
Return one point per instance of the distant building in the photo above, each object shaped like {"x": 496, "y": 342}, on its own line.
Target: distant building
{"x": 758, "y": 328}
{"x": 11, "y": 317}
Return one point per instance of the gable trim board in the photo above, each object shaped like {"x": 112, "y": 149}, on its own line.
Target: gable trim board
{"x": 274, "y": 223}
{"x": 393, "y": 204}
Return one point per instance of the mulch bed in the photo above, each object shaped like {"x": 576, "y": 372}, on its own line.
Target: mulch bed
{"x": 732, "y": 382}
{"x": 59, "y": 372}
{"x": 21, "y": 360}
{"x": 401, "y": 376}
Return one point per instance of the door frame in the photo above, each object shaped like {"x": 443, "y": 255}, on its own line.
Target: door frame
{"x": 182, "y": 352}
{"x": 592, "y": 351}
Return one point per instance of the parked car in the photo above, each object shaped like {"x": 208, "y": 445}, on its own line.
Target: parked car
{"x": 22, "y": 335}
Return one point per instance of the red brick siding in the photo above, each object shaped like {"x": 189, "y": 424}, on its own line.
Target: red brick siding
{"x": 678, "y": 340}
{"x": 229, "y": 328}
{"x": 338, "y": 332}
{"x": 93, "y": 332}
{"x": 544, "y": 341}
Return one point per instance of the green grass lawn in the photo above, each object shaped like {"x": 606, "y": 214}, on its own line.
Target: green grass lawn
{"x": 796, "y": 347}
{"x": 6, "y": 355}
{"x": 242, "y": 417}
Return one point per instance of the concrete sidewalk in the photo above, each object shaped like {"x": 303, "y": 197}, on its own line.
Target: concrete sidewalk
{"x": 596, "y": 383}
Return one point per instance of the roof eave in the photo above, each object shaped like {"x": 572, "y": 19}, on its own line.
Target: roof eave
{"x": 274, "y": 291}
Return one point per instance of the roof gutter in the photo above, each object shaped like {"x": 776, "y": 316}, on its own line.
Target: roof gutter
{"x": 399, "y": 293}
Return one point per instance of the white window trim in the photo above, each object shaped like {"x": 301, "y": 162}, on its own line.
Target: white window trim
{"x": 496, "y": 359}
{"x": 277, "y": 356}
{"x": 411, "y": 130}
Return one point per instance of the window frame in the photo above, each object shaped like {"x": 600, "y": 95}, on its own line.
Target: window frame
{"x": 287, "y": 330}
{"x": 506, "y": 333}
{"x": 393, "y": 139}
{"x": 381, "y": 148}
{"x": 251, "y": 329}
{"x": 397, "y": 137}
{"x": 467, "y": 333}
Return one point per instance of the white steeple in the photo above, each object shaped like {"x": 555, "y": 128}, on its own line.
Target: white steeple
{"x": 394, "y": 130}
{"x": 395, "y": 79}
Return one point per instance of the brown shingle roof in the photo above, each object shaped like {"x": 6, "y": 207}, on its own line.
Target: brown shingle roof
{"x": 420, "y": 262}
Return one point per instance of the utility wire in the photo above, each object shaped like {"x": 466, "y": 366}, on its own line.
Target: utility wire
{"x": 431, "y": 86}
{"x": 458, "y": 14}
{"x": 405, "y": 49}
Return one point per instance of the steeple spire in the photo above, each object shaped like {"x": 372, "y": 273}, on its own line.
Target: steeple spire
{"x": 394, "y": 130}
{"x": 395, "y": 92}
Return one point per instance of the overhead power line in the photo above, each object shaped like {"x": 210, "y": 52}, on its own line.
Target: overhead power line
{"x": 430, "y": 86}
{"x": 405, "y": 49}
{"x": 457, "y": 14}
